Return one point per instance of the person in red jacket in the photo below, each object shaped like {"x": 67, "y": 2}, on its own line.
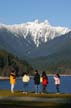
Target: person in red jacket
{"x": 44, "y": 81}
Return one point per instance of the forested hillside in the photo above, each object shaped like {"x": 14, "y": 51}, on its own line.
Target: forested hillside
{"x": 57, "y": 62}
{"x": 9, "y": 62}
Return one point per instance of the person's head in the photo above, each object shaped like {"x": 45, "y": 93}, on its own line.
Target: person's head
{"x": 36, "y": 72}
{"x": 25, "y": 73}
{"x": 43, "y": 73}
{"x": 57, "y": 74}
{"x": 12, "y": 72}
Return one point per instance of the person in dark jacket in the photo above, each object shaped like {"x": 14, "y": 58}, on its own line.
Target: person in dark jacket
{"x": 37, "y": 81}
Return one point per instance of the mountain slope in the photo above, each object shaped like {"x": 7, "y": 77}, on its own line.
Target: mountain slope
{"x": 52, "y": 46}
{"x": 60, "y": 59}
{"x": 25, "y": 39}
{"x": 42, "y": 45}
{"x": 10, "y": 42}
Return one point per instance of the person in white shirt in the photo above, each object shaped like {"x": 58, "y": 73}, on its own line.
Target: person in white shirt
{"x": 25, "y": 79}
{"x": 57, "y": 82}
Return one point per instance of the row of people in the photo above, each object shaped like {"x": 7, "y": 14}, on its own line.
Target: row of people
{"x": 43, "y": 79}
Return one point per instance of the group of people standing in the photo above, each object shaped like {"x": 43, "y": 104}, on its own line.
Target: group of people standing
{"x": 38, "y": 79}
{"x": 43, "y": 79}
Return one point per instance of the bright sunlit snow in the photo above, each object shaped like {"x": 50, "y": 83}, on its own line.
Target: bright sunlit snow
{"x": 37, "y": 31}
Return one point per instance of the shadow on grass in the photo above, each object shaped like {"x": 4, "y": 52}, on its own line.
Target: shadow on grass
{"x": 17, "y": 104}
{"x": 23, "y": 106}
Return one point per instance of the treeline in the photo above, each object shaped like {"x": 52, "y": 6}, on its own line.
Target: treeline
{"x": 57, "y": 62}
{"x": 60, "y": 67}
{"x": 60, "y": 62}
{"x": 9, "y": 62}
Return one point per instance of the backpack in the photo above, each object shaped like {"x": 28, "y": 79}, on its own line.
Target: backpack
{"x": 44, "y": 80}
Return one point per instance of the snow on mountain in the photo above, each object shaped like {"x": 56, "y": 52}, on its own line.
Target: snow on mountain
{"x": 39, "y": 32}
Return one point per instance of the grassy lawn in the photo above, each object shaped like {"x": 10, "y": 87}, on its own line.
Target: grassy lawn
{"x": 33, "y": 104}
{"x": 20, "y": 93}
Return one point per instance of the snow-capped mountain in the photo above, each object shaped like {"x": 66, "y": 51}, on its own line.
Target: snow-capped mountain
{"x": 40, "y": 32}
{"x": 26, "y": 38}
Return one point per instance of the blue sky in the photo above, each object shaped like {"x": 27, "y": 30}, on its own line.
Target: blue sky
{"x": 57, "y": 12}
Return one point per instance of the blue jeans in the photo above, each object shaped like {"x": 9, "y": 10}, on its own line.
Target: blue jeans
{"x": 25, "y": 86}
{"x": 37, "y": 88}
{"x": 57, "y": 87}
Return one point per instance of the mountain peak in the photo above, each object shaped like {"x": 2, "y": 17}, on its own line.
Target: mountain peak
{"x": 37, "y": 21}
{"x": 37, "y": 31}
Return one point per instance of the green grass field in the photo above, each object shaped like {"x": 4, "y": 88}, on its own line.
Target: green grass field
{"x": 32, "y": 104}
{"x": 20, "y": 93}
